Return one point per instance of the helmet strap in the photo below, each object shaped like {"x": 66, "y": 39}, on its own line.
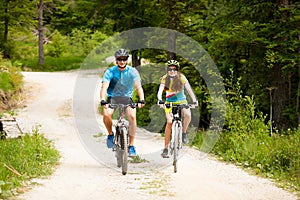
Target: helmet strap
{"x": 172, "y": 76}
{"x": 122, "y": 67}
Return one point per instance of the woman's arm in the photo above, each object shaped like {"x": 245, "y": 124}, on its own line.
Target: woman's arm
{"x": 160, "y": 91}
{"x": 191, "y": 93}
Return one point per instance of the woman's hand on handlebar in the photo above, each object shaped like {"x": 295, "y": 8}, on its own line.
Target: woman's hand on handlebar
{"x": 141, "y": 103}
{"x": 194, "y": 104}
{"x": 161, "y": 103}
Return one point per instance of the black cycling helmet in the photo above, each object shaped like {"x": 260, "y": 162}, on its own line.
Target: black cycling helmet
{"x": 173, "y": 63}
{"x": 121, "y": 52}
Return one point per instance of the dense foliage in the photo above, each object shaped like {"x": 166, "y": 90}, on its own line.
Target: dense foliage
{"x": 246, "y": 141}
{"x": 259, "y": 40}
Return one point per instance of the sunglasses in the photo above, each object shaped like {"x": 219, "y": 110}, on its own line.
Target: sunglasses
{"x": 122, "y": 59}
{"x": 172, "y": 69}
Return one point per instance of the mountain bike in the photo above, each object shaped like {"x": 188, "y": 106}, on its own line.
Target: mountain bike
{"x": 121, "y": 137}
{"x": 176, "y": 134}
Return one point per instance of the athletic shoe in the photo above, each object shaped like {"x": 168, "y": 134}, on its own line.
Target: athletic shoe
{"x": 185, "y": 138}
{"x": 131, "y": 151}
{"x": 110, "y": 141}
{"x": 165, "y": 153}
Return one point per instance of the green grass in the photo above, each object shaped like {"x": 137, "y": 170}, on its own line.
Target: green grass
{"x": 276, "y": 157}
{"x": 52, "y": 63}
{"x": 31, "y": 156}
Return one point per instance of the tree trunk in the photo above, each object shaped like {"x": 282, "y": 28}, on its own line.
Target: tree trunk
{"x": 136, "y": 61}
{"x": 5, "y": 36}
{"x": 280, "y": 98}
{"x": 298, "y": 96}
{"x": 281, "y": 93}
{"x": 171, "y": 46}
{"x": 172, "y": 24}
{"x": 41, "y": 32}
{"x": 298, "y": 91}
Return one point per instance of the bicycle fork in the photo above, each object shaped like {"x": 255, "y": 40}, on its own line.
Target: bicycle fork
{"x": 117, "y": 140}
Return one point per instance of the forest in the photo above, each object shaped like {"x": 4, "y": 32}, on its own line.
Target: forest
{"x": 255, "y": 46}
{"x": 254, "y": 42}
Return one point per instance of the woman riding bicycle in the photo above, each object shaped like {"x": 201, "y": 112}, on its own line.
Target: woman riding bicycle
{"x": 174, "y": 83}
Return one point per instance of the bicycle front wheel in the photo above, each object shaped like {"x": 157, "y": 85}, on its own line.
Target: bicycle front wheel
{"x": 176, "y": 130}
{"x": 124, "y": 149}
{"x": 118, "y": 149}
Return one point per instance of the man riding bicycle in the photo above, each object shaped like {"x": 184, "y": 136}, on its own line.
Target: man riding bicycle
{"x": 118, "y": 84}
{"x": 173, "y": 83}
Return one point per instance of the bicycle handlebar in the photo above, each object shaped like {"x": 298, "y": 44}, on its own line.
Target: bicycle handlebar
{"x": 119, "y": 105}
{"x": 132, "y": 105}
{"x": 169, "y": 104}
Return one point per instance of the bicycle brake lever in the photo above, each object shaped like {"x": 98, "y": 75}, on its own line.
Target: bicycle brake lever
{"x": 133, "y": 105}
{"x": 112, "y": 106}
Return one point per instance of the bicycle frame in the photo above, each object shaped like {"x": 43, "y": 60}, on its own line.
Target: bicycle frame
{"x": 121, "y": 141}
{"x": 176, "y": 134}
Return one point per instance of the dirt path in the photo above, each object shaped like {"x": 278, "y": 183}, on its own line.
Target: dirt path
{"x": 84, "y": 175}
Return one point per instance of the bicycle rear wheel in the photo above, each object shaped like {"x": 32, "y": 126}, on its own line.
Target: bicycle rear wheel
{"x": 124, "y": 150}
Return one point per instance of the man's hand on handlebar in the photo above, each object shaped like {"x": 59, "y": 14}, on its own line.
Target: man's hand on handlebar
{"x": 104, "y": 103}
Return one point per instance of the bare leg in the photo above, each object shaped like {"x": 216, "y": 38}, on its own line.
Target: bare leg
{"x": 131, "y": 113}
{"x": 168, "y": 129}
{"x": 187, "y": 119}
{"x": 107, "y": 119}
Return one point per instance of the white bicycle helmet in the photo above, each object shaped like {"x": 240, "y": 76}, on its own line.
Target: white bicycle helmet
{"x": 173, "y": 63}
{"x": 121, "y": 52}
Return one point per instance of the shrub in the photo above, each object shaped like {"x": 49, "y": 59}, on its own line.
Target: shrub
{"x": 57, "y": 46}
{"x": 247, "y": 142}
{"x": 11, "y": 83}
{"x": 53, "y": 64}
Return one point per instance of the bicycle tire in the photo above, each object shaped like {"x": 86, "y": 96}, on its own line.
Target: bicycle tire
{"x": 176, "y": 145}
{"x": 118, "y": 150}
{"x": 124, "y": 150}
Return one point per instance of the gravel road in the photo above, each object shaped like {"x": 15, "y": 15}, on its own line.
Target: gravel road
{"x": 88, "y": 170}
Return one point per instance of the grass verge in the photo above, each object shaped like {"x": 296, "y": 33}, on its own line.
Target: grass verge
{"x": 276, "y": 157}
{"x": 51, "y": 64}
{"x": 25, "y": 158}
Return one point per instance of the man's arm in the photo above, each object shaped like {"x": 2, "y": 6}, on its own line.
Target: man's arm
{"x": 103, "y": 91}
{"x": 139, "y": 89}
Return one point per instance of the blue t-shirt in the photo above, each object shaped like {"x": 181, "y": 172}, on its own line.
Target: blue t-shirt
{"x": 121, "y": 83}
